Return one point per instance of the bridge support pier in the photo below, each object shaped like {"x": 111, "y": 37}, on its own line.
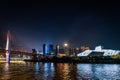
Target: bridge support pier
{"x": 8, "y": 57}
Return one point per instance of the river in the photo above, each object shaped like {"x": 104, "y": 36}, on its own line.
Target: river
{"x": 58, "y": 71}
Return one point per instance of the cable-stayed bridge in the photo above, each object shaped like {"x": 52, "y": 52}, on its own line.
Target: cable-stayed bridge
{"x": 11, "y": 47}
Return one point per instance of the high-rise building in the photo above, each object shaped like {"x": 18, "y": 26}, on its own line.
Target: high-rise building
{"x": 51, "y": 49}
{"x": 71, "y": 51}
{"x": 57, "y": 50}
{"x": 48, "y": 49}
{"x": 45, "y": 49}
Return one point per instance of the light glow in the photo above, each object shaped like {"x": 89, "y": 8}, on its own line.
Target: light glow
{"x": 65, "y": 44}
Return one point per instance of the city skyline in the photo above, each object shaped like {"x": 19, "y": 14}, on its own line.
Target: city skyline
{"x": 82, "y": 24}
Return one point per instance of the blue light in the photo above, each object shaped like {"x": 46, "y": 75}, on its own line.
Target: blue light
{"x": 47, "y": 49}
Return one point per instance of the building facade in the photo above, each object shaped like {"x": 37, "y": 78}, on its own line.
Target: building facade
{"x": 48, "y": 49}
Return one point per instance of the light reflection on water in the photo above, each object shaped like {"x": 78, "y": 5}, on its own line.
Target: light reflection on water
{"x": 58, "y": 71}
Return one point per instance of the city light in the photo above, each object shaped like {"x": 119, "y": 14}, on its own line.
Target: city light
{"x": 107, "y": 52}
{"x": 65, "y": 45}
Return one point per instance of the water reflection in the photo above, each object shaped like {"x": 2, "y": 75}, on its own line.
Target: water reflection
{"x": 85, "y": 71}
{"x": 48, "y": 72}
{"x": 65, "y": 71}
{"x": 99, "y": 71}
{"x": 109, "y": 71}
{"x": 58, "y": 71}
{"x": 7, "y": 66}
{"x": 6, "y": 72}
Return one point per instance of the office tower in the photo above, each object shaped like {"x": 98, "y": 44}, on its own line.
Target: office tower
{"x": 45, "y": 49}
{"x": 57, "y": 49}
{"x": 48, "y": 49}
{"x": 51, "y": 49}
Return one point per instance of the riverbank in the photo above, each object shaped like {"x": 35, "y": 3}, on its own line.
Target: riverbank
{"x": 76, "y": 60}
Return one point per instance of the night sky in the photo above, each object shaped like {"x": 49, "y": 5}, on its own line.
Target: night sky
{"x": 77, "y": 23}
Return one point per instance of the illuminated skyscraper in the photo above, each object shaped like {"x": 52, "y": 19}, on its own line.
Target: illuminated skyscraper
{"x": 48, "y": 49}
{"x": 45, "y": 49}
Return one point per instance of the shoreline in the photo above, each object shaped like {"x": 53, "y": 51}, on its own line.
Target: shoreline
{"x": 76, "y": 60}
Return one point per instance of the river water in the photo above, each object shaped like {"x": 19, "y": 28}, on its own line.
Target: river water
{"x": 58, "y": 71}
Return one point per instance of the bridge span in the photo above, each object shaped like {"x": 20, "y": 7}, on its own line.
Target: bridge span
{"x": 8, "y": 53}
{"x": 18, "y": 52}
{"x": 16, "y": 56}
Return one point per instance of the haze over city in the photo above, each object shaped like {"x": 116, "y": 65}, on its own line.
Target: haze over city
{"x": 79, "y": 24}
